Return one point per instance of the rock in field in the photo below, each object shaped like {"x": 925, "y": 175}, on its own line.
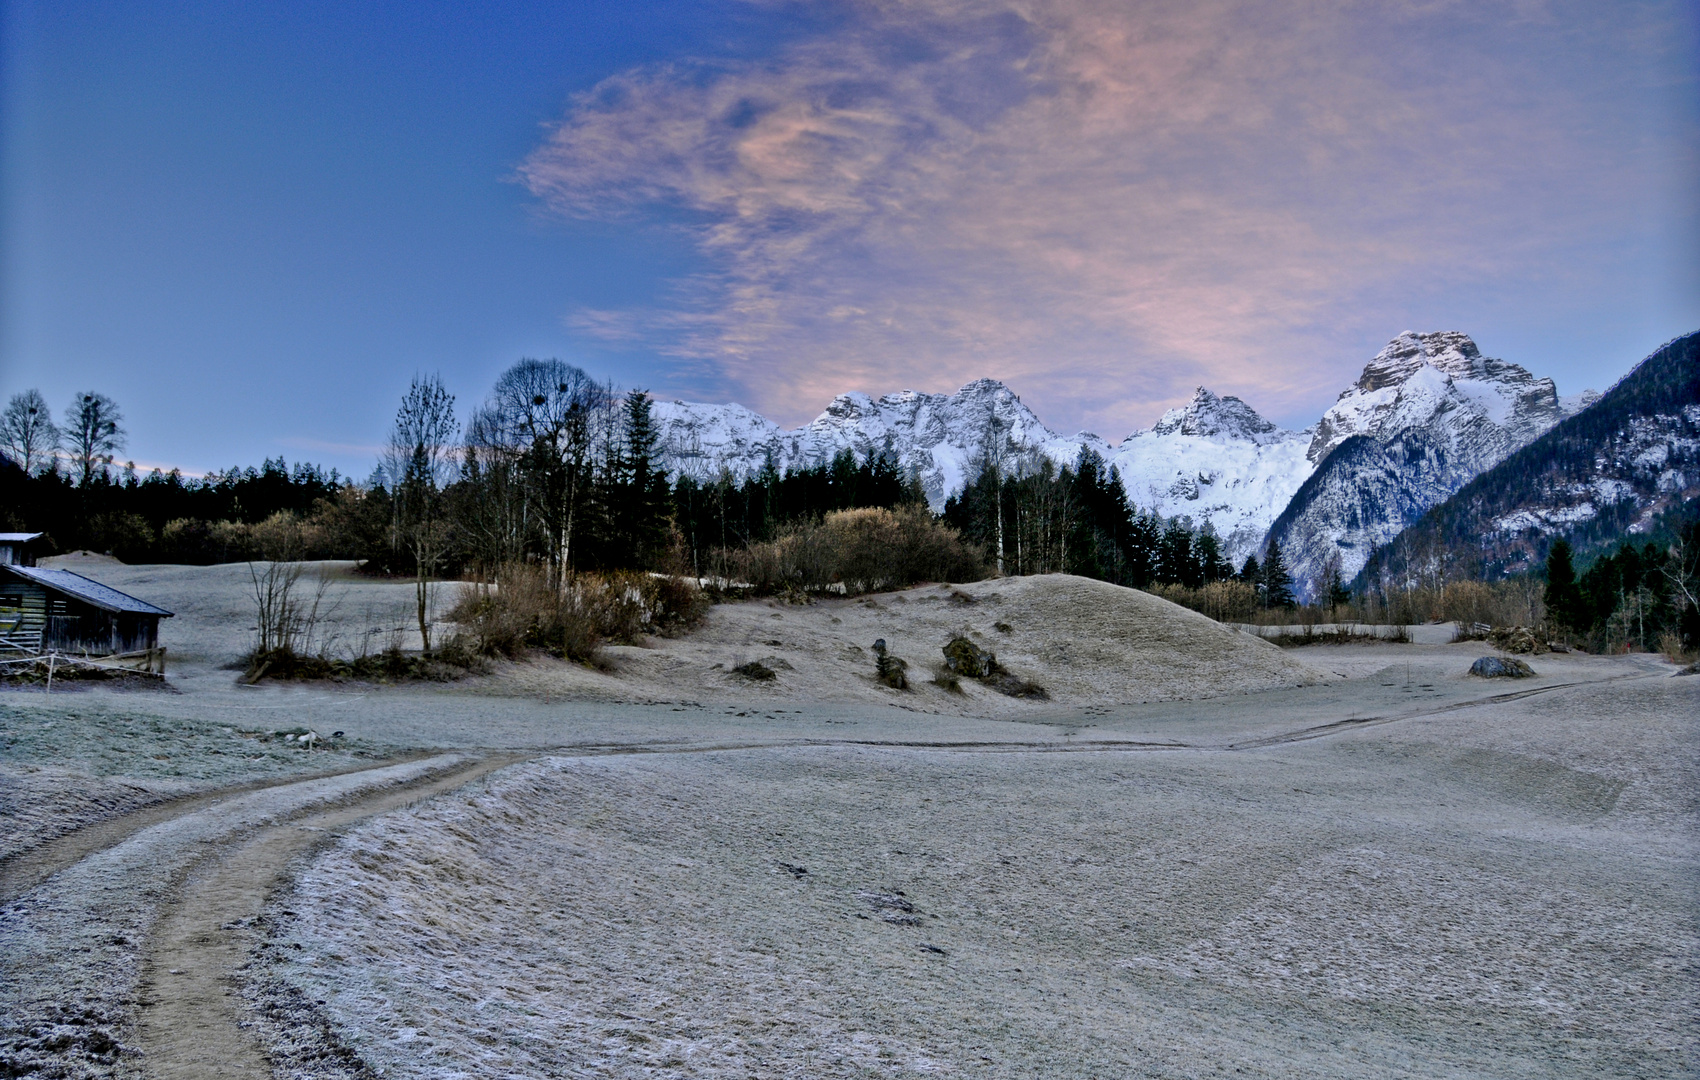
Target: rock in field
{"x": 1501, "y": 667}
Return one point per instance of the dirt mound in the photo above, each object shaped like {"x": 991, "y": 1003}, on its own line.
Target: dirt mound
{"x": 1084, "y": 642}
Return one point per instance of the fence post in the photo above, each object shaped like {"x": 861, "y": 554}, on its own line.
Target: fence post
{"x": 51, "y": 657}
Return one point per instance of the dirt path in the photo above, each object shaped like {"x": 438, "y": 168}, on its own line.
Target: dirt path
{"x": 26, "y": 869}
{"x": 191, "y": 1023}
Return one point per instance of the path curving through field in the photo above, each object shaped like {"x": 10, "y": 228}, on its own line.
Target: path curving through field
{"x": 190, "y": 1025}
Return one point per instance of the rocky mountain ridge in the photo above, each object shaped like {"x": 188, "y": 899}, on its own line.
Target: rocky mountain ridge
{"x": 1440, "y": 411}
{"x": 1428, "y": 414}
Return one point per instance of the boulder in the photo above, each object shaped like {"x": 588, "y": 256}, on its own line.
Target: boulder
{"x": 1501, "y": 667}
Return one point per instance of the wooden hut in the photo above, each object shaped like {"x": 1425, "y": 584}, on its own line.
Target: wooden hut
{"x": 18, "y": 549}
{"x": 57, "y": 611}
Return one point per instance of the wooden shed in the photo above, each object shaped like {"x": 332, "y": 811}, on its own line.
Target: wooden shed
{"x": 44, "y": 611}
{"x": 18, "y": 549}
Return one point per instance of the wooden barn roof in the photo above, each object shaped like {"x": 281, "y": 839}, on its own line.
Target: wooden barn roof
{"x": 88, "y": 591}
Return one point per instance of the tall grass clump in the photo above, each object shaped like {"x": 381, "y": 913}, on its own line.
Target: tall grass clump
{"x": 854, "y": 551}
{"x": 522, "y": 610}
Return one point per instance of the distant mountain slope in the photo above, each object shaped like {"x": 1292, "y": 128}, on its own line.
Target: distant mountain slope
{"x": 1433, "y": 410}
{"x": 1214, "y": 460}
{"x": 939, "y": 436}
{"x": 1427, "y": 415}
{"x": 1622, "y": 467}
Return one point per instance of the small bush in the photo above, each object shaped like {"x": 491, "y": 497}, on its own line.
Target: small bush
{"x": 756, "y": 670}
{"x": 1224, "y": 601}
{"x": 890, "y": 670}
{"x": 391, "y": 665}
{"x": 1017, "y": 687}
{"x": 947, "y": 679}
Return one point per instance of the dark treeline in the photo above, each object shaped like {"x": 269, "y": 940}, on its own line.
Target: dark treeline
{"x": 1036, "y": 518}
{"x": 726, "y": 513}
{"x": 553, "y": 467}
{"x": 1640, "y": 596}
{"x": 161, "y": 517}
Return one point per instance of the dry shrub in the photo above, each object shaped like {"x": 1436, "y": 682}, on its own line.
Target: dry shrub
{"x": 523, "y": 610}
{"x": 856, "y": 551}
{"x": 1224, "y": 601}
{"x": 1671, "y": 646}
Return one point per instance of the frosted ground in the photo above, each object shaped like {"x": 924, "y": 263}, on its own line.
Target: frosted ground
{"x": 1332, "y": 861}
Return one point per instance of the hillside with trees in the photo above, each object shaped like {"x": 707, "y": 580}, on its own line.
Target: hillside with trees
{"x": 1625, "y": 469}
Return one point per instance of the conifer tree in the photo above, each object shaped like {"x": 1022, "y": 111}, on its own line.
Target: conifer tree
{"x": 639, "y": 496}
{"x": 1277, "y": 584}
{"x": 1141, "y": 551}
{"x": 1176, "y": 562}
{"x": 1563, "y": 598}
{"x": 1211, "y": 565}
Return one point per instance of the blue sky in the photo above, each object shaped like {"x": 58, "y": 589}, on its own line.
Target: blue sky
{"x": 252, "y": 223}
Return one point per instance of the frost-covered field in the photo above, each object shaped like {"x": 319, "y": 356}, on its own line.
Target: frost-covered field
{"x": 1506, "y": 890}
{"x": 76, "y": 758}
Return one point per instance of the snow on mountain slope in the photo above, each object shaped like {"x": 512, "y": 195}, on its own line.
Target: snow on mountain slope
{"x": 1625, "y": 467}
{"x": 1440, "y": 413}
{"x": 1489, "y": 407}
{"x": 939, "y": 436}
{"x": 1216, "y": 461}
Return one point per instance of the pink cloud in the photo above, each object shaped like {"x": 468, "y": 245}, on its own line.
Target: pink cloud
{"x": 1103, "y": 204}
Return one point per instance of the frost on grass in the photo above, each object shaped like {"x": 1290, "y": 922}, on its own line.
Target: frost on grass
{"x": 62, "y": 767}
{"x": 855, "y": 912}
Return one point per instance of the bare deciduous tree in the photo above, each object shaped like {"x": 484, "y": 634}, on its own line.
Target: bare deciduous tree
{"x": 31, "y": 437}
{"x": 419, "y": 463}
{"x": 551, "y": 416}
{"x": 92, "y": 433}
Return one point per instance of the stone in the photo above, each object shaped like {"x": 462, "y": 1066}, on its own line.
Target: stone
{"x": 1501, "y": 667}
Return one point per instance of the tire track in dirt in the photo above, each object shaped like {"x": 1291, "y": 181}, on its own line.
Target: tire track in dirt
{"x": 1336, "y": 727}
{"x": 24, "y": 870}
{"x": 191, "y": 1021}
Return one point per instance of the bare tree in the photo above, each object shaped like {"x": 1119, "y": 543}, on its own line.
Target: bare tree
{"x": 92, "y": 433}
{"x": 30, "y": 435}
{"x": 419, "y": 462}
{"x": 286, "y": 615}
{"x": 491, "y": 511}
{"x": 551, "y": 416}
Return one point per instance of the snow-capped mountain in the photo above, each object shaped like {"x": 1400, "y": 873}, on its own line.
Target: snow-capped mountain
{"x": 1428, "y": 414}
{"x": 1441, "y": 380}
{"x": 1627, "y": 466}
{"x": 939, "y": 436}
{"x": 1216, "y": 461}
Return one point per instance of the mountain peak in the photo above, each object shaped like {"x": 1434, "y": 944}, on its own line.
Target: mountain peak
{"x": 1210, "y": 416}
{"x": 1451, "y": 351}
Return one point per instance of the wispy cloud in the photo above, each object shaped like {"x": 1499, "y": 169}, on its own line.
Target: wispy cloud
{"x": 1102, "y": 203}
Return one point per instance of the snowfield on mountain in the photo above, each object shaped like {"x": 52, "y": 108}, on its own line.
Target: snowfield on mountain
{"x": 1432, "y": 410}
